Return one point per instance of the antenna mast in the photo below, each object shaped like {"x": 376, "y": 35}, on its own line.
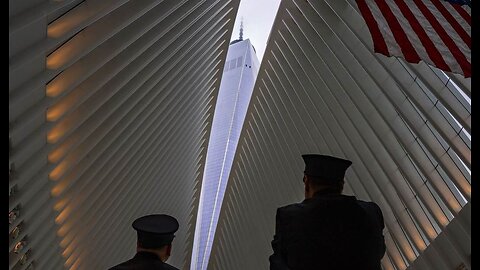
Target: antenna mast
{"x": 241, "y": 29}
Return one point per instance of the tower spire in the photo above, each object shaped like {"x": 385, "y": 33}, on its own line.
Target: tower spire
{"x": 241, "y": 29}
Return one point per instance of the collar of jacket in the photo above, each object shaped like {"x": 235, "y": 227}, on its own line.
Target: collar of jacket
{"x": 147, "y": 255}
{"x": 323, "y": 194}
{"x": 326, "y": 191}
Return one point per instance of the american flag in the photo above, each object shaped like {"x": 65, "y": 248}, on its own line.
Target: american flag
{"x": 435, "y": 31}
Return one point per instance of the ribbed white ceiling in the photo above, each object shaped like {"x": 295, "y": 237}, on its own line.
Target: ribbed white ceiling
{"x": 320, "y": 89}
{"x": 110, "y": 109}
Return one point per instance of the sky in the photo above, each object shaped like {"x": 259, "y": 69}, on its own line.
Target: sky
{"x": 258, "y": 17}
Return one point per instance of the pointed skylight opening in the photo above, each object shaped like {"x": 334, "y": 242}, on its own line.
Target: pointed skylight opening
{"x": 254, "y": 21}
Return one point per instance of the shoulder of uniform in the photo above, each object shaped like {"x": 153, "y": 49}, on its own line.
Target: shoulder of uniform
{"x": 368, "y": 204}
{"x": 169, "y": 267}
{"x": 372, "y": 208}
{"x": 289, "y": 208}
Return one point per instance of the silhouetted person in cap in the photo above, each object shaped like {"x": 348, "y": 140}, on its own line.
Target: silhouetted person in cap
{"x": 327, "y": 230}
{"x": 155, "y": 234}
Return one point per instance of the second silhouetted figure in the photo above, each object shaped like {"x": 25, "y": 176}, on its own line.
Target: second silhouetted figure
{"x": 327, "y": 230}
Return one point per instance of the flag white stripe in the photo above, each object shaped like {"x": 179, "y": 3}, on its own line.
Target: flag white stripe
{"x": 393, "y": 47}
{"x": 467, "y": 9}
{"x": 435, "y": 38}
{"x": 458, "y": 17}
{"x": 411, "y": 34}
{"x": 449, "y": 29}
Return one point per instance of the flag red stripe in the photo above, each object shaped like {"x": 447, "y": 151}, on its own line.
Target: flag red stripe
{"x": 430, "y": 48}
{"x": 379, "y": 44}
{"x": 402, "y": 40}
{"x": 459, "y": 56}
{"x": 463, "y": 13}
{"x": 453, "y": 22}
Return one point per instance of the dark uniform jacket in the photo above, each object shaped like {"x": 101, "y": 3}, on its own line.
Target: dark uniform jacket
{"x": 328, "y": 231}
{"x": 144, "y": 261}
